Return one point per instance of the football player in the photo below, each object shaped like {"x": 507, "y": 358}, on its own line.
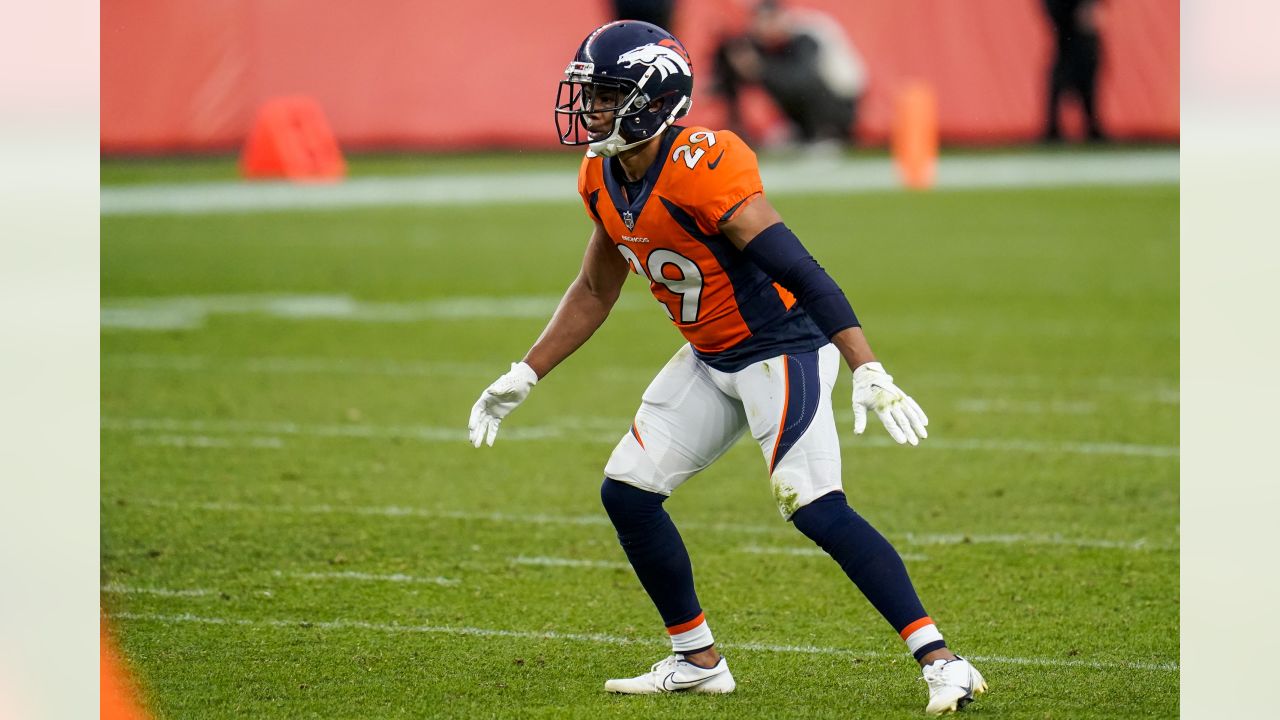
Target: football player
{"x": 766, "y": 326}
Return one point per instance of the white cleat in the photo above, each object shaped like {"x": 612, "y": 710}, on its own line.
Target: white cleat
{"x": 952, "y": 685}
{"x": 674, "y": 674}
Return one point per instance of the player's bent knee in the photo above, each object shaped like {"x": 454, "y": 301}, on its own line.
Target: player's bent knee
{"x": 623, "y": 501}
{"x": 817, "y": 518}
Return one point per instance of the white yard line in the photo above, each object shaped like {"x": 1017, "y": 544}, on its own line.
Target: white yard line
{"x": 421, "y": 433}
{"x": 399, "y": 511}
{"x": 372, "y": 577}
{"x": 205, "y": 441}
{"x": 1005, "y": 406}
{"x": 595, "y": 430}
{"x": 1030, "y": 446}
{"x": 810, "y": 552}
{"x": 118, "y": 589}
{"x": 190, "y": 312}
{"x": 569, "y": 562}
{"x": 1035, "y": 381}
{"x": 781, "y": 177}
{"x": 603, "y": 639}
{"x": 927, "y": 539}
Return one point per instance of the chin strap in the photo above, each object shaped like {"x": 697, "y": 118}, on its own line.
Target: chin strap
{"x": 615, "y": 144}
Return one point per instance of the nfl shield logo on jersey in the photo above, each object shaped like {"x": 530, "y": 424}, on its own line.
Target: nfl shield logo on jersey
{"x": 629, "y": 220}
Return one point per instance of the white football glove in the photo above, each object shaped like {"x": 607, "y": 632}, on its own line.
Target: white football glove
{"x": 498, "y": 400}
{"x": 902, "y": 417}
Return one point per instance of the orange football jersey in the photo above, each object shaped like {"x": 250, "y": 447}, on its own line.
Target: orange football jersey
{"x": 666, "y": 225}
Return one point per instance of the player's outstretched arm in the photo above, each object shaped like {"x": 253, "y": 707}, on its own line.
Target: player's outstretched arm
{"x": 757, "y": 230}
{"x": 584, "y": 307}
{"x": 581, "y": 312}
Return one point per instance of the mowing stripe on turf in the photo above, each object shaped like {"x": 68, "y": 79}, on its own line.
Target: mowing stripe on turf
{"x": 293, "y": 365}
{"x": 569, "y": 562}
{"x": 612, "y": 639}
{"x": 781, "y": 177}
{"x": 192, "y": 312}
{"x": 1149, "y": 389}
{"x": 577, "y": 431}
{"x": 399, "y": 511}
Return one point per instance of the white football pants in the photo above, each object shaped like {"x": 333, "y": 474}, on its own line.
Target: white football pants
{"x": 692, "y": 413}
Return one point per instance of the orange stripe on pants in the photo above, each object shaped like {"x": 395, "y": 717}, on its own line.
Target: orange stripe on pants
{"x": 786, "y": 402}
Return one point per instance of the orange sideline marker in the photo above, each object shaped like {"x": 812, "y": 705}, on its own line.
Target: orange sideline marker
{"x": 291, "y": 139}
{"x": 116, "y": 698}
{"x": 915, "y": 135}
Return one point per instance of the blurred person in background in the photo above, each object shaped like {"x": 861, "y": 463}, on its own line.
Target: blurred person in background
{"x": 1075, "y": 63}
{"x": 805, "y": 62}
{"x": 654, "y": 12}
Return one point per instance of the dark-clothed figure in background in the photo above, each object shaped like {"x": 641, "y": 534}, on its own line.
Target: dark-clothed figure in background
{"x": 654, "y": 12}
{"x": 1075, "y": 64}
{"x": 805, "y": 62}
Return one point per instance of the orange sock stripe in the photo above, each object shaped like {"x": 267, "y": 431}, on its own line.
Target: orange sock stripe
{"x": 687, "y": 626}
{"x": 786, "y": 402}
{"x": 906, "y": 631}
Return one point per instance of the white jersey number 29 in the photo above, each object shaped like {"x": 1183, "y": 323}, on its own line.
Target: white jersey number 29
{"x": 692, "y": 155}
{"x": 688, "y": 286}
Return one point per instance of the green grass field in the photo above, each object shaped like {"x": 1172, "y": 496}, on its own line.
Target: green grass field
{"x": 293, "y": 524}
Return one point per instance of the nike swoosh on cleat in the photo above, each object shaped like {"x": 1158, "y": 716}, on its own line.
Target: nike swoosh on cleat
{"x": 671, "y": 684}
{"x": 711, "y": 165}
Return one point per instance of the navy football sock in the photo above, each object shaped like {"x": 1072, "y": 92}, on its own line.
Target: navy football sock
{"x": 872, "y": 564}
{"x": 655, "y": 549}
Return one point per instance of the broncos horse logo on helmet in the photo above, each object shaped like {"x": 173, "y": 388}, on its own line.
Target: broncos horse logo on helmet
{"x": 663, "y": 59}
{"x": 644, "y": 66}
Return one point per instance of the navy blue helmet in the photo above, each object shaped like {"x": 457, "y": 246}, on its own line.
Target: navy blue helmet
{"x": 635, "y": 70}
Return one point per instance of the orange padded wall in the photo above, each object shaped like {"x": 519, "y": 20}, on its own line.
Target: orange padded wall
{"x": 190, "y": 74}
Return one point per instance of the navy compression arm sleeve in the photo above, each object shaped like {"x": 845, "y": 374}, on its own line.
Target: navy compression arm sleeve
{"x": 778, "y": 252}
